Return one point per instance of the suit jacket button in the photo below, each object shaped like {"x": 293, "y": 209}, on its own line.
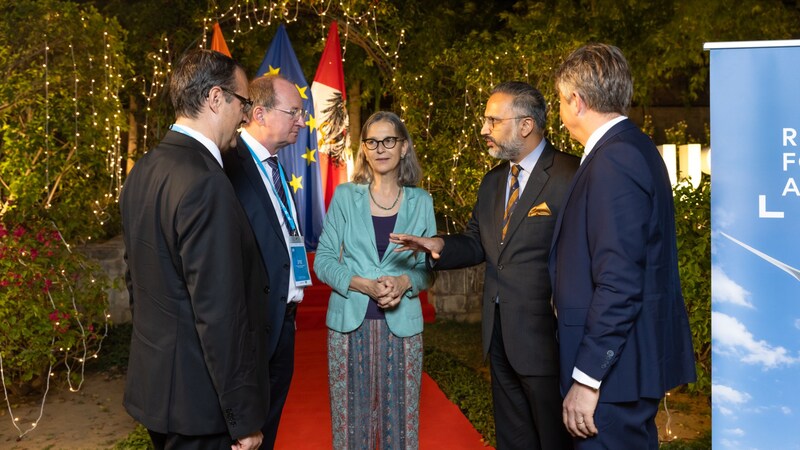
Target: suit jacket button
{"x": 499, "y": 267}
{"x": 285, "y": 267}
{"x": 266, "y": 290}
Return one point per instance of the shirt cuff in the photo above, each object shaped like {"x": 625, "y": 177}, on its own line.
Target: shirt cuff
{"x": 582, "y": 378}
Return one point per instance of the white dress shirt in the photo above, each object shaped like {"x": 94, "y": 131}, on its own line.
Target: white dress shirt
{"x": 527, "y": 164}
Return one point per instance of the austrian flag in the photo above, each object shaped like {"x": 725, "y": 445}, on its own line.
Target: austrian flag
{"x": 330, "y": 110}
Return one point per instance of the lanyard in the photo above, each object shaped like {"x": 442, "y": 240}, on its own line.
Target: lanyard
{"x": 286, "y": 213}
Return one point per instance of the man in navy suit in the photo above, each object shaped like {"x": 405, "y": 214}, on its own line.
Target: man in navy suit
{"x": 624, "y": 333}
{"x": 198, "y": 358}
{"x": 275, "y": 119}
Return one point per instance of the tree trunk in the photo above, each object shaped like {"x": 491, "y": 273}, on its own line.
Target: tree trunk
{"x": 133, "y": 134}
{"x": 354, "y": 113}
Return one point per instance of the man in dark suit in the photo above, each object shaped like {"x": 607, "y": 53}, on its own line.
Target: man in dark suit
{"x": 198, "y": 366}
{"x": 623, "y": 329}
{"x": 510, "y": 229}
{"x": 275, "y": 119}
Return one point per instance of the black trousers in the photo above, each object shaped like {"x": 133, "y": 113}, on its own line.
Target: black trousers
{"x": 281, "y": 369}
{"x": 174, "y": 441}
{"x": 527, "y": 409}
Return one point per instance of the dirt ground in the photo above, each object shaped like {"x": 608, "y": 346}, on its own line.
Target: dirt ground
{"x": 93, "y": 418}
{"x": 688, "y": 417}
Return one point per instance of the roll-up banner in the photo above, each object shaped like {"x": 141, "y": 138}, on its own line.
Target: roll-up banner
{"x": 755, "y": 236}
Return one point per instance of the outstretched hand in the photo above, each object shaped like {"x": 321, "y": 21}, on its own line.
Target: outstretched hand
{"x": 408, "y": 242}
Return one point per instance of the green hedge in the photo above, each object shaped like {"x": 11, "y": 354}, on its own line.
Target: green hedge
{"x": 465, "y": 387}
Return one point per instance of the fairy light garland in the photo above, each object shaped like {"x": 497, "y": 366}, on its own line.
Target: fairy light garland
{"x": 74, "y": 359}
{"x": 248, "y": 15}
{"x": 70, "y": 362}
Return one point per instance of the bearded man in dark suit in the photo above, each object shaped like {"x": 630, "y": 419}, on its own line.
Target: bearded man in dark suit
{"x": 197, "y": 375}
{"x": 510, "y": 229}
{"x": 622, "y": 324}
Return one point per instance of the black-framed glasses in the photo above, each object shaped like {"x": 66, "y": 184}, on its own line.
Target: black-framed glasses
{"x": 294, "y": 113}
{"x": 492, "y": 121}
{"x": 388, "y": 142}
{"x": 246, "y": 102}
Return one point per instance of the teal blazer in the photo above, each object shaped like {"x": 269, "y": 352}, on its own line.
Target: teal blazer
{"x": 347, "y": 248}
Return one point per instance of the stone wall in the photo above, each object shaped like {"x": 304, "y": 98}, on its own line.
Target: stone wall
{"x": 457, "y": 294}
{"x": 109, "y": 255}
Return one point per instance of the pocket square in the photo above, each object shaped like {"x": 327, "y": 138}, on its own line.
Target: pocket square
{"x": 540, "y": 210}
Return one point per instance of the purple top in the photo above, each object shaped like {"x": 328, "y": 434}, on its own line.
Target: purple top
{"x": 383, "y": 226}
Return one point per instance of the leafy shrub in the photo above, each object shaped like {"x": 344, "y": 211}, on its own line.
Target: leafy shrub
{"x": 60, "y": 116}
{"x": 52, "y": 304}
{"x": 464, "y": 386}
{"x": 139, "y": 439}
{"x": 693, "y": 227}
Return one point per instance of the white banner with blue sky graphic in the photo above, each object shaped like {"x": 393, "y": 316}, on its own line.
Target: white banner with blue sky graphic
{"x": 755, "y": 217}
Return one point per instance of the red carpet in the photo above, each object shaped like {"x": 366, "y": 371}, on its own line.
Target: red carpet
{"x": 306, "y": 421}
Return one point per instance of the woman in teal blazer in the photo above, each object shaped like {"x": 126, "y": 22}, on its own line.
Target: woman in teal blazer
{"x": 374, "y": 315}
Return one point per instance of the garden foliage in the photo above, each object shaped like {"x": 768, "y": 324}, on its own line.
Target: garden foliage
{"x": 52, "y": 306}
{"x": 60, "y": 142}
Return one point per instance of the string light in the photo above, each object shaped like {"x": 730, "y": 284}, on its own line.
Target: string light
{"x": 81, "y": 143}
{"x": 71, "y": 363}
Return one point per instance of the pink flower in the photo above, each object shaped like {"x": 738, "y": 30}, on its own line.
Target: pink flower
{"x": 34, "y": 253}
{"x": 19, "y": 231}
{"x": 47, "y": 285}
{"x": 54, "y": 316}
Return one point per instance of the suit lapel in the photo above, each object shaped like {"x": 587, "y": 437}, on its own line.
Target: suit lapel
{"x": 533, "y": 188}
{"x": 253, "y": 175}
{"x": 407, "y": 206}
{"x": 364, "y": 214}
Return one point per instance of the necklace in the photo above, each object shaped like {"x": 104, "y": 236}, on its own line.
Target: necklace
{"x": 369, "y": 188}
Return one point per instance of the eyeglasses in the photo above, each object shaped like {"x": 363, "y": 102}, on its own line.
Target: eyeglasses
{"x": 295, "y": 113}
{"x": 493, "y": 120}
{"x": 388, "y": 142}
{"x": 246, "y": 102}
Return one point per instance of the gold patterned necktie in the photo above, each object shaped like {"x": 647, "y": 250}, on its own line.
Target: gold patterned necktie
{"x": 513, "y": 196}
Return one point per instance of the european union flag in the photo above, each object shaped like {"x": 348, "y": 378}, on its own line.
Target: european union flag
{"x": 300, "y": 159}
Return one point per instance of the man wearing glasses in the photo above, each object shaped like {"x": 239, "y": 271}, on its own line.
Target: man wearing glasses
{"x": 511, "y": 229}
{"x": 274, "y": 121}
{"x": 198, "y": 358}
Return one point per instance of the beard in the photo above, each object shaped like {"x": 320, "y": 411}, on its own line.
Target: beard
{"x": 506, "y": 150}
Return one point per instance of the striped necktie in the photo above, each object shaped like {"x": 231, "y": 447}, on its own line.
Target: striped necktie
{"x": 276, "y": 179}
{"x": 513, "y": 196}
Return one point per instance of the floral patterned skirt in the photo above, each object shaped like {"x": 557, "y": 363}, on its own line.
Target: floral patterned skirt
{"x": 375, "y": 380}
